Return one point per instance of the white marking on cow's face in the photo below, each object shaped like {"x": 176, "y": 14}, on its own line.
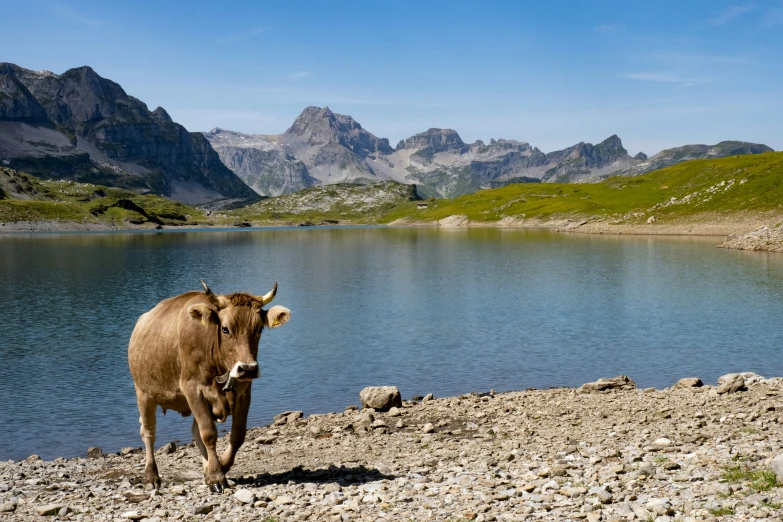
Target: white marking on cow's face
{"x": 244, "y": 371}
{"x": 235, "y": 370}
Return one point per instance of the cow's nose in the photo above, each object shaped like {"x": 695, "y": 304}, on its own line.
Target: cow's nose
{"x": 247, "y": 370}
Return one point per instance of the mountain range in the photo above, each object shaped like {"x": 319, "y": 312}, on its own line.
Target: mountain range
{"x": 80, "y": 126}
{"x": 322, "y": 147}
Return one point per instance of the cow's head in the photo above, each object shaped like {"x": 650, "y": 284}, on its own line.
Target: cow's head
{"x": 239, "y": 320}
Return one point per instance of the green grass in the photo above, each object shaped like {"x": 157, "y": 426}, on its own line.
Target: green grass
{"x": 723, "y": 510}
{"x": 620, "y": 197}
{"x": 758, "y": 480}
{"x": 750, "y": 183}
{"x": 85, "y": 202}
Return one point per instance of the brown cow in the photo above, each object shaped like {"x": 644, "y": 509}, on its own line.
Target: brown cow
{"x": 196, "y": 353}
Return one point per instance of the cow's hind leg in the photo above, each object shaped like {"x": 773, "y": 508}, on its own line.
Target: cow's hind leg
{"x": 148, "y": 421}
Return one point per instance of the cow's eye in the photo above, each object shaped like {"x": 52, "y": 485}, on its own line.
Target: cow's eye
{"x": 225, "y": 330}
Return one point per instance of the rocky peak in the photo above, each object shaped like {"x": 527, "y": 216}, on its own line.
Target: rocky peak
{"x": 436, "y": 140}
{"x": 613, "y": 142}
{"x": 161, "y": 116}
{"x": 316, "y": 126}
{"x": 641, "y": 156}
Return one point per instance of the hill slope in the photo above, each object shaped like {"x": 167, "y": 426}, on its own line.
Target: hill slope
{"x": 729, "y": 186}
{"x": 27, "y": 198}
{"x": 80, "y": 126}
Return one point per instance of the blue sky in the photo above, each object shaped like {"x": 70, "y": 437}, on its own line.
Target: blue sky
{"x": 658, "y": 74}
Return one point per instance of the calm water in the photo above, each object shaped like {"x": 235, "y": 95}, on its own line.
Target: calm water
{"x": 448, "y": 312}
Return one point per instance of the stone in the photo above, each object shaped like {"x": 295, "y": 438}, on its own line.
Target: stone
{"x": 428, "y": 397}
{"x": 661, "y": 443}
{"x": 133, "y": 515}
{"x": 651, "y": 219}
{"x": 245, "y": 496}
{"x": 168, "y": 449}
{"x": 381, "y": 398}
{"x": 730, "y": 383}
{"x": 283, "y": 500}
{"x": 136, "y": 496}
{"x": 670, "y": 466}
{"x": 621, "y": 382}
{"x": 94, "y": 453}
{"x": 49, "y": 509}
{"x": 7, "y": 507}
{"x": 776, "y": 466}
{"x": 689, "y": 382}
{"x": 128, "y": 451}
{"x": 203, "y": 509}
{"x": 394, "y": 412}
{"x": 287, "y": 417}
{"x": 365, "y": 419}
{"x": 428, "y": 428}
{"x": 265, "y": 439}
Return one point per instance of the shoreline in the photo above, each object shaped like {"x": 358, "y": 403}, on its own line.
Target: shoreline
{"x": 753, "y": 232}
{"x": 604, "y": 451}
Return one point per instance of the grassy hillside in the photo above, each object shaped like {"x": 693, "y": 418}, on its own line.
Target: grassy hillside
{"x": 737, "y": 183}
{"x": 727, "y": 186}
{"x": 27, "y": 198}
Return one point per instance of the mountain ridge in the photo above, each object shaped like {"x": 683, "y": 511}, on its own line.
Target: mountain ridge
{"x": 81, "y": 126}
{"x": 335, "y": 148}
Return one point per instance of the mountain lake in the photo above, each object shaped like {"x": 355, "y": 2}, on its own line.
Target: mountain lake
{"x": 447, "y": 311}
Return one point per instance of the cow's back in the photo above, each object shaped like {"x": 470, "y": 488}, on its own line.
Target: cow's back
{"x": 153, "y": 351}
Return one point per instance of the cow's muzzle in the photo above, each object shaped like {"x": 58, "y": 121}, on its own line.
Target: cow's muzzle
{"x": 240, "y": 372}
{"x": 245, "y": 371}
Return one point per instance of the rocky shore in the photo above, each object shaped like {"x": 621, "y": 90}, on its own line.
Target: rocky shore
{"x": 763, "y": 238}
{"x": 606, "y": 451}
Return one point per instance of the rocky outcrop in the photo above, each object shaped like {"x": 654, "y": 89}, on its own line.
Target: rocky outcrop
{"x": 585, "y": 160}
{"x": 81, "y": 126}
{"x": 434, "y": 141}
{"x": 769, "y": 238}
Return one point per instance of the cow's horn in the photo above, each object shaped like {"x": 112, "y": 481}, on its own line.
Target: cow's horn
{"x": 266, "y": 299}
{"x": 206, "y": 288}
{"x": 215, "y": 300}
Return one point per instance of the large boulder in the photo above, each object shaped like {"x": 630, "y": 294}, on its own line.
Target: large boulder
{"x": 621, "y": 382}
{"x": 380, "y": 398}
{"x": 731, "y": 383}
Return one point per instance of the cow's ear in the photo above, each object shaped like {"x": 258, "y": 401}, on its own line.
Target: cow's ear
{"x": 204, "y": 313}
{"x": 276, "y": 316}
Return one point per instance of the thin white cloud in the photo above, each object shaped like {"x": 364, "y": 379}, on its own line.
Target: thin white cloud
{"x": 663, "y": 77}
{"x": 242, "y": 35}
{"x": 730, "y": 14}
{"x": 607, "y": 28}
{"x": 69, "y": 13}
{"x": 298, "y": 75}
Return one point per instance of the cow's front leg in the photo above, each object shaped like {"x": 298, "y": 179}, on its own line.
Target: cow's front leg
{"x": 214, "y": 476}
{"x": 238, "y": 430}
{"x": 148, "y": 421}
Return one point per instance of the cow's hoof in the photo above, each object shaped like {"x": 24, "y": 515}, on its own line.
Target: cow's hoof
{"x": 217, "y": 488}
{"x": 151, "y": 477}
